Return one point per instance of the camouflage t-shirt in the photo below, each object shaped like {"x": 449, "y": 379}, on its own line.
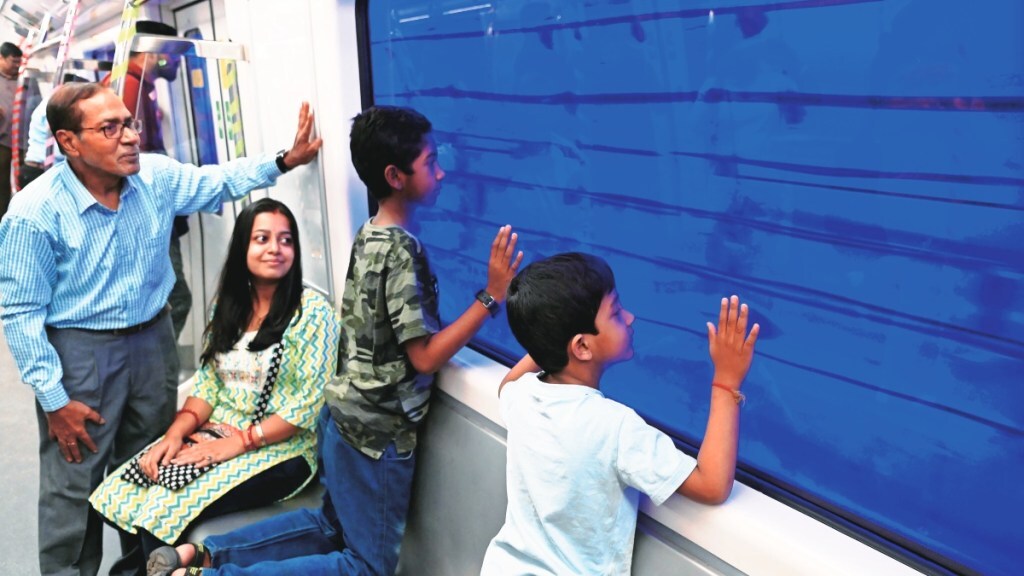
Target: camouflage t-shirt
{"x": 390, "y": 298}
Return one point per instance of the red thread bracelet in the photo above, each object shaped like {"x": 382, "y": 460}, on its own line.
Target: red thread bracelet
{"x": 736, "y": 394}
{"x": 193, "y": 413}
{"x": 250, "y": 444}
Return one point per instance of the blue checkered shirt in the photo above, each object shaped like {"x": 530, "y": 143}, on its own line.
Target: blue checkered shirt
{"x": 67, "y": 261}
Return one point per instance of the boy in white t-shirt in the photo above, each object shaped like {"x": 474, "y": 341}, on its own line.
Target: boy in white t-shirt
{"x": 577, "y": 460}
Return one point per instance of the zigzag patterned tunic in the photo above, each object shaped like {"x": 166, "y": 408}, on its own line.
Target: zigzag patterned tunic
{"x": 309, "y": 362}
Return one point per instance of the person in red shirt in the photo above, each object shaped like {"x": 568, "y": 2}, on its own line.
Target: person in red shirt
{"x": 139, "y": 85}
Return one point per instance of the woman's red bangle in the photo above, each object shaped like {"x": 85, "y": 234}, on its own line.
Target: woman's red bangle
{"x": 736, "y": 394}
{"x": 247, "y": 439}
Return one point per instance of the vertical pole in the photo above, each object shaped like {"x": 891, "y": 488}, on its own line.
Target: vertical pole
{"x": 124, "y": 40}
{"x": 65, "y": 40}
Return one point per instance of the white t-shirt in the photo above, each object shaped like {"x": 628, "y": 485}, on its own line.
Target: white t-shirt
{"x": 576, "y": 461}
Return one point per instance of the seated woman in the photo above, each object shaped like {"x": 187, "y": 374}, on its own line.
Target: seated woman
{"x": 261, "y": 311}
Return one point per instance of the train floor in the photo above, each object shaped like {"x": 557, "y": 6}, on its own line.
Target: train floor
{"x": 19, "y": 477}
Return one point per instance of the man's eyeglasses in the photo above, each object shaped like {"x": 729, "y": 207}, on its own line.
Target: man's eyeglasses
{"x": 114, "y": 130}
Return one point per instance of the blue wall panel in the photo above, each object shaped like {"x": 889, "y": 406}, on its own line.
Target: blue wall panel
{"x": 852, "y": 168}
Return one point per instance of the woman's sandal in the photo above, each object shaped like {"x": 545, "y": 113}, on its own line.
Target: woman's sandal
{"x": 165, "y": 560}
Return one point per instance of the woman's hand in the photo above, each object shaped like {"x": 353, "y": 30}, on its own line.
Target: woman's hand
{"x": 160, "y": 455}
{"x": 212, "y": 452}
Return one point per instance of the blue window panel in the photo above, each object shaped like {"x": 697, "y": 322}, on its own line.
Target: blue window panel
{"x": 854, "y": 169}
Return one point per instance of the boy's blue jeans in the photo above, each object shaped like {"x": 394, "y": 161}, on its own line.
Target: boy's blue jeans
{"x": 369, "y": 497}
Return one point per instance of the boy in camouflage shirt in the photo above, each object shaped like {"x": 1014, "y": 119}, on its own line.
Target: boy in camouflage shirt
{"x": 392, "y": 341}
{"x": 392, "y": 344}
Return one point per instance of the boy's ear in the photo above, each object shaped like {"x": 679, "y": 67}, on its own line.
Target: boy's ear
{"x": 394, "y": 177}
{"x": 579, "y": 348}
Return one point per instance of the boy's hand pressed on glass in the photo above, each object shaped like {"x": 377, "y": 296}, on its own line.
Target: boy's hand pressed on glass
{"x": 732, "y": 350}
{"x": 429, "y": 353}
{"x": 501, "y": 267}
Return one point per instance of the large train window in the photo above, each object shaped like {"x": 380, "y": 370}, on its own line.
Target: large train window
{"x": 852, "y": 168}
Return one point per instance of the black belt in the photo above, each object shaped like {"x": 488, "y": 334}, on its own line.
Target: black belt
{"x": 133, "y": 329}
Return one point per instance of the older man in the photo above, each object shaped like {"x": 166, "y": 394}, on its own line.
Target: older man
{"x": 83, "y": 291}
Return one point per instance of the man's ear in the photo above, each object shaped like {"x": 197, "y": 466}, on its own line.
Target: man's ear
{"x": 394, "y": 176}
{"x": 68, "y": 143}
{"x": 579, "y": 348}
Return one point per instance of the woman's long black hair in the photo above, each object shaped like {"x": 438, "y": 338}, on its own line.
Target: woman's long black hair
{"x": 235, "y": 293}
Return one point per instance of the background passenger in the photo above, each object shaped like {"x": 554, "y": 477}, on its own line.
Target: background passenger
{"x": 38, "y": 140}
{"x": 144, "y": 69}
{"x": 391, "y": 345}
{"x": 83, "y": 291}
{"x": 10, "y": 61}
{"x": 576, "y": 460}
{"x": 261, "y": 309}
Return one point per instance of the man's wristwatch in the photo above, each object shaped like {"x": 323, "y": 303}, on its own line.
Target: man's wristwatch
{"x": 488, "y": 301}
{"x": 280, "y": 161}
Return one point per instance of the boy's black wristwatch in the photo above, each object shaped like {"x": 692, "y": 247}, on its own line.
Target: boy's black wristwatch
{"x": 488, "y": 301}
